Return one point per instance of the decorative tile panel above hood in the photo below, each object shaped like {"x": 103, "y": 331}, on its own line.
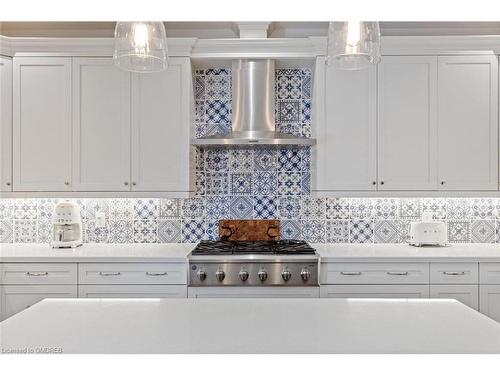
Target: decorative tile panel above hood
{"x": 258, "y": 170}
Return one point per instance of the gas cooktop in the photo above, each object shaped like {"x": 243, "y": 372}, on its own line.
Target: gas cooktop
{"x": 280, "y": 247}
{"x": 253, "y": 263}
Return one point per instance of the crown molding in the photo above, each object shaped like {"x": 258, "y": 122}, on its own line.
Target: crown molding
{"x": 253, "y": 29}
{"x": 256, "y": 48}
{"x": 440, "y": 45}
{"x": 78, "y": 46}
{"x": 6, "y": 46}
{"x": 279, "y": 48}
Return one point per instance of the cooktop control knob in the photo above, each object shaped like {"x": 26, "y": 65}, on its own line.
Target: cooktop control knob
{"x": 305, "y": 274}
{"x": 202, "y": 275}
{"x": 220, "y": 275}
{"x": 243, "y": 275}
{"x": 262, "y": 275}
{"x": 286, "y": 275}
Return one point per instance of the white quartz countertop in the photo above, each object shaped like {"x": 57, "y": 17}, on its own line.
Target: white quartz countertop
{"x": 403, "y": 252}
{"x": 96, "y": 253}
{"x": 177, "y": 252}
{"x": 251, "y": 326}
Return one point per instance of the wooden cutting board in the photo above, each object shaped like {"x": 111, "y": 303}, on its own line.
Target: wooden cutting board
{"x": 249, "y": 230}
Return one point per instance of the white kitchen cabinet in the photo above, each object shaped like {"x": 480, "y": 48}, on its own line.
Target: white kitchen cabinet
{"x": 42, "y": 124}
{"x": 38, "y": 273}
{"x": 489, "y": 301}
{"x": 407, "y": 123}
{"x": 346, "y": 130}
{"x": 374, "y": 273}
{"x": 161, "y": 126}
{"x": 16, "y": 298}
{"x": 132, "y": 273}
{"x": 468, "y": 122}
{"x": 5, "y": 124}
{"x": 489, "y": 273}
{"x": 467, "y": 294}
{"x": 489, "y": 289}
{"x": 132, "y": 291}
{"x": 253, "y": 292}
{"x": 454, "y": 273}
{"x": 374, "y": 291}
{"x": 101, "y": 126}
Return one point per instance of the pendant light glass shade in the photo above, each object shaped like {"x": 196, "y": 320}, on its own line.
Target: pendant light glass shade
{"x": 141, "y": 46}
{"x": 353, "y": 45}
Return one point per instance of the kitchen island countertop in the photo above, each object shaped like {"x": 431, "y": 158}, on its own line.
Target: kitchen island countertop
{"x": 250, "y": 326}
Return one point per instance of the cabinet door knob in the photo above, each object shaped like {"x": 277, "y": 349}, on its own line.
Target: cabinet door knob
{"x": 374, "y": 183}
{"x": 381, "y": 182}
{"x": 134, "y": 183}
{"x": 66, "y": 183}
{"x": 7, "y": 183}
{"x": 125, "y": 183}
{"x": 442, "y": 182}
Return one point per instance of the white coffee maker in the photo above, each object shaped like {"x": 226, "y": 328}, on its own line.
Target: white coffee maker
{"x": 66, "y": 226}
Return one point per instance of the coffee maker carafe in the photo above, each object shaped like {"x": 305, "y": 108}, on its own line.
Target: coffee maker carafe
{"x": 66, "y": 226}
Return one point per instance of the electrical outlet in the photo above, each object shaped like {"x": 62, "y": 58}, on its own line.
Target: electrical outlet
{"x": 100, "y": 219}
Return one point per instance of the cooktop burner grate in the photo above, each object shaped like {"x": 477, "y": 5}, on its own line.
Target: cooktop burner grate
{"x": 252, "y": 247}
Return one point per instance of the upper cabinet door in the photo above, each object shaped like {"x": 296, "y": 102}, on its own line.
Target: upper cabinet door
{"x": 161, "y": 128}
{"x": 407, "y": 123}
{"x": 346, "y": 128}
{"x": 42, "y": 124}
{"x": 101, "y": 126}
{"x": 468, "y": 122}
{"x": 5, "y": 124}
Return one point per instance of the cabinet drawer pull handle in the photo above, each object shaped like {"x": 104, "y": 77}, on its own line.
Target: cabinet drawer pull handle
{"x": 454, "y": 273}
{"x": 350, "y": 273}
{"x": 398, "y": 273}
{"x": 110, "y": 273}
{"x": 156, "y": 273}
{"x": 37, "y": 273}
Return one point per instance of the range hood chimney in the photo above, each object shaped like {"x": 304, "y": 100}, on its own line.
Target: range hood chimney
{"x": 253, "y": 108}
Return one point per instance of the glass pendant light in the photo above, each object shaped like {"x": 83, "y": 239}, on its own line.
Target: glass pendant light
{"x": 141, "y": 46}
{"x": 353, "y": 45}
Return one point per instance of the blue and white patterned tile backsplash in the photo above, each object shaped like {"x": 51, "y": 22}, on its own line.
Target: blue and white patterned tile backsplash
{"x": 260, "y": 183}
{"x": 335, "y": 220}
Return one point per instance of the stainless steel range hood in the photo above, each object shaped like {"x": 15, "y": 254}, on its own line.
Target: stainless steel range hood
{"x": 253, "y": 121}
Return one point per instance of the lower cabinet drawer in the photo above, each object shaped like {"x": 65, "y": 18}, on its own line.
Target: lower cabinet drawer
{"x": 489, "y": 301}
{"x": 16, "y": 298}
{"x": 132, "y": 273}
{"x": 253, "y": 292}
{"x": 454, "y": 273}
{"x": 374, "y": 273}
{"x": 374, "y": 291}
{"x": 467, "y": 294}
{"x": 489, "y": 273}
{"x": 132, "y": 291}
{"x": 38, "y": 273}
